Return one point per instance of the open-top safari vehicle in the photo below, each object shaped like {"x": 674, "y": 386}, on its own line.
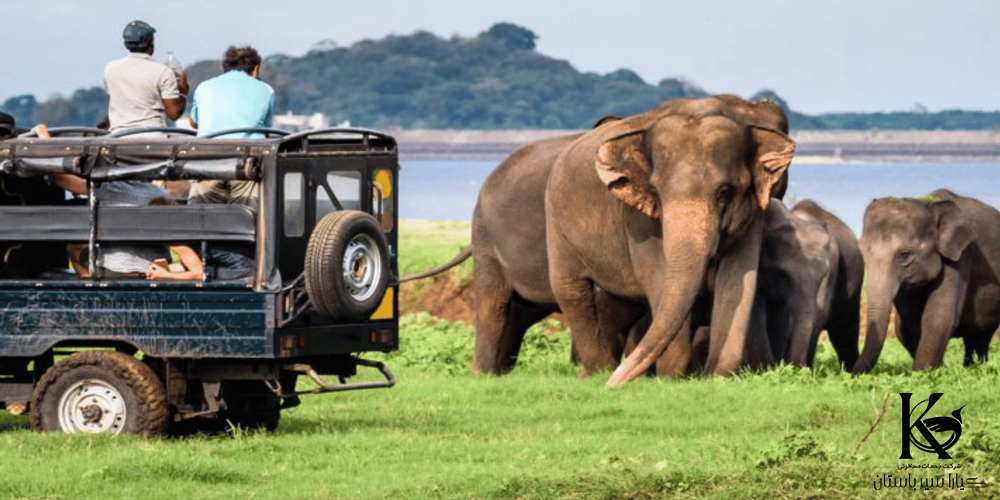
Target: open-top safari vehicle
{"x": 134, "y": 355}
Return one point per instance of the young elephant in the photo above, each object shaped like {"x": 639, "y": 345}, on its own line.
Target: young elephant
{"x": 935, "y": 260}
{"x": 810, "y": 277}
{"x": 811, "y": 271}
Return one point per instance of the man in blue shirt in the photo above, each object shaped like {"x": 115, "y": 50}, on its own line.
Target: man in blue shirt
{"x": 234, "y": 99}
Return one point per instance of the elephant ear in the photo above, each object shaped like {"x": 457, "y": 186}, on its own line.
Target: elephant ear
{"x": 954, "y": 232}
{"x": 624, "y": 167}
{"x": 607, "y": 119}
{"x": 771, "y": 160}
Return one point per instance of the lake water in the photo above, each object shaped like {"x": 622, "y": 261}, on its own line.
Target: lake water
{"x": 447, "y": 189}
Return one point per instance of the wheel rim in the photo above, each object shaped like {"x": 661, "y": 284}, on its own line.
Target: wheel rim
{"x": 362, "y": 267}
{"x": 92, "y": 406}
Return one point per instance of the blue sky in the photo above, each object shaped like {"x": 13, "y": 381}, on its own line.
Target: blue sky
{"x": 820, "y": 55}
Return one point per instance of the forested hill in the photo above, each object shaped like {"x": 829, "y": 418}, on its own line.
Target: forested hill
{"x": 496, "y": 80}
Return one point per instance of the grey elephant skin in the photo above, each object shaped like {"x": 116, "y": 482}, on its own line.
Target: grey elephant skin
{"x": 509, "y": 247}
{"x": 511, "y": 276}
{"x": 811, "y": 274}
{"x": 810, "y": 278}
{"x": 936, "y": 261}
{"x": 645, "y": 208}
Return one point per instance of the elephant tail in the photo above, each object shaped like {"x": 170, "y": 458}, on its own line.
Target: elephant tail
{"x": 460, "y": 258}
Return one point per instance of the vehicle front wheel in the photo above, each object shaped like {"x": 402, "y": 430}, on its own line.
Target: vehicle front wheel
{"x": 100, "y": 392}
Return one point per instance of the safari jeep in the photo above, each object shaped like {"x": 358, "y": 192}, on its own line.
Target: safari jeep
{"x": 114, "y": 355}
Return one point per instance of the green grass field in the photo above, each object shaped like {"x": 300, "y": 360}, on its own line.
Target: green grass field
{"x": 542, "y": 432}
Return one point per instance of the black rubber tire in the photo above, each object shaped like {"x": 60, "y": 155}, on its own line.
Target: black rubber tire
{"x": 142, "y": 391}
{"x": 324, "y": 261}
{"x": 251, "y": 406}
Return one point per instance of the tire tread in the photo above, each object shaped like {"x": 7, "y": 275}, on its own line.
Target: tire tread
{"x": 154, "y": 412}
{"x": 324, "y": 260}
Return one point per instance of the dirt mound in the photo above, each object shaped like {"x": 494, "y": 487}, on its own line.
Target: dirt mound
{"x": 443, "y": 296}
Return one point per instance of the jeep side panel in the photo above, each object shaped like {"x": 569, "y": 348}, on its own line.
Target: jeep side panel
{"x": 169, "y": 320}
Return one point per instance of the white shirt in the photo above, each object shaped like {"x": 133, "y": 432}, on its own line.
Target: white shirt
{"x": 137, "y": 86}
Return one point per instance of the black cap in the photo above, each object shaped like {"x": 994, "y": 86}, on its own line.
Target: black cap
{"x": 7, "y": 126}
{"x": 138, "y": 32}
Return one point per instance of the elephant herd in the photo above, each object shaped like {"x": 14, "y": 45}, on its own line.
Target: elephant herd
{"x": 662, "y": 238}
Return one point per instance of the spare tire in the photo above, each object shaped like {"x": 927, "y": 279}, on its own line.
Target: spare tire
{"x": 347, "y": 265}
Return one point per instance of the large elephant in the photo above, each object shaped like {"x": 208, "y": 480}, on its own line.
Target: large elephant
{"x": 645, "y": 208}
{"x": 509, "y": 248}
{"x": 811, "y": 273}
{"x": 936, "y": 260}
{"x": 511, "y": 264}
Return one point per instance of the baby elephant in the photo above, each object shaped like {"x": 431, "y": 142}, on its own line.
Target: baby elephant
{"x": 810, "y": 272}
{"x": 936, "y": 260}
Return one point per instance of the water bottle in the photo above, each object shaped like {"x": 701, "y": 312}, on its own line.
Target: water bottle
{"x": 174, "y": 63}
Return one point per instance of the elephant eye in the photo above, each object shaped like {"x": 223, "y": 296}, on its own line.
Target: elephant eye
{"x": 904, "y": 256}
{"x": 724, "y": 194}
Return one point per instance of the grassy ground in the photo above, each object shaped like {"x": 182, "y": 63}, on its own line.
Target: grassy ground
{"x": 424, "y": 244}
{"x": 542, "y": 432}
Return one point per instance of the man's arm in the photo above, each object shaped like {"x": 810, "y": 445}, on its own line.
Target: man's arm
{"x": 173, "y": 92}
{"x": 69, "y": 182}
{"x": 193, "y": 268}
{"x": 174, "y": 108}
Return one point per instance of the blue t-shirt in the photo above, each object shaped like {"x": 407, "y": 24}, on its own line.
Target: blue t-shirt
{"x": 232, "y": 100}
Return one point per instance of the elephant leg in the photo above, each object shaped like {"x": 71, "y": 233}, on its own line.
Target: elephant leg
{"x": 578, "y": 303}
{"x": 616, "y": 321}
{"x": 940, "y": 320}
{"x": 498, "y": 338}
{"x": 699, "y": 348}
{"x": 674, "y": 362}
{"x": 755, "y": 358}
{"x": 677, "y": 359}
{"x": 977, "y": 347}
{"x": 635, "y": 334}
{"x": 844, "y": 329}
{"x": 778, "y": 325}
{"x": 735, "y": 290}
{"x": 983, "y": 346}
{"x": 814, "y": 341}
{"x": 970, "y": 350}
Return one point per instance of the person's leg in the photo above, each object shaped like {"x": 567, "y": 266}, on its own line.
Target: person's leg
{"x": 75, "y": 252}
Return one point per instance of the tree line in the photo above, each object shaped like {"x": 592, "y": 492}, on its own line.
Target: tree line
{"x": 495, "y": 80}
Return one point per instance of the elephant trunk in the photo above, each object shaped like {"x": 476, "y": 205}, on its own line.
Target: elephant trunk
{"x": 881, "y": 289}
{"x": 687, "y": 252}
{"x": 802, "y": 339}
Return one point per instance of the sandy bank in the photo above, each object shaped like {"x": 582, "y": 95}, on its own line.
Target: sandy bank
{"x": 816, "y": 146}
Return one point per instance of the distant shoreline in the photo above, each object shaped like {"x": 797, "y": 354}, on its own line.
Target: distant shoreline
{"x": 813, "y": 146}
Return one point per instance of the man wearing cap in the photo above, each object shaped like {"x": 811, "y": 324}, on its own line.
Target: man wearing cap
{"x": 143, "y": 92}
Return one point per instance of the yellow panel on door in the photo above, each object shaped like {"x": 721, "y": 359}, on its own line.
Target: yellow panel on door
{"x": 384, "y": 310}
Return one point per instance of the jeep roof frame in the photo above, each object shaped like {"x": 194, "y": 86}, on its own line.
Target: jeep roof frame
{"x": 98, "y": 156}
